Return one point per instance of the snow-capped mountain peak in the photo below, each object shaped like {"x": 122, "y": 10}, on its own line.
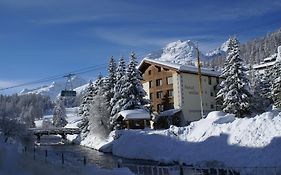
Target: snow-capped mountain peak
{"x": 219, "y": 51}
{"x": 181, "y": 52}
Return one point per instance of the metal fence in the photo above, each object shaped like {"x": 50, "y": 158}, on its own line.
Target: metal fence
{"x": 66, "y": 159}
{"x": 190, "y": 170}
{"x": 54, "y": 157}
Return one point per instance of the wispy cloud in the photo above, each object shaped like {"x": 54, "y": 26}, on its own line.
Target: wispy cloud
{"x": 67, "y": 20}
{"x": 8, "y": 83}
{"x": 131, "y": 37}
{"x": 142, "y": 38}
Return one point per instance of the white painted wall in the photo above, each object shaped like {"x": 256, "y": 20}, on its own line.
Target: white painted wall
{"x": 146, "y": 89}
{"x": 177, "y": 90}
{"x": 191, "y": 99}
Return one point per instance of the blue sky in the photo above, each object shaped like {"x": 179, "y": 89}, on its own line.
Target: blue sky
{"x": 40, "y": 38}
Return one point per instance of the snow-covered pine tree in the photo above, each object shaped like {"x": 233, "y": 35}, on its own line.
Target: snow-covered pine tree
{"x": 261, "y": 88}
{"x": 87, "y": 99}
{"x": 59, "y": 115}
{"x": 276, "y": 84}
{"x": 101, "y": 106}
{"x": 84, "y": 109}
{"x": 99, "y": 117}
{"x": 132, "y": 92}
{"x": 110, "y": 80}
{"x": 266, "y": 84}
{"x": 235, "y": 88}
{"x": 120, "y": 81}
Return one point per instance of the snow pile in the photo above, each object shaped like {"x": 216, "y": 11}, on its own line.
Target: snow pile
{"x": 181, "y": 52}
{"x": 218, "y": 138}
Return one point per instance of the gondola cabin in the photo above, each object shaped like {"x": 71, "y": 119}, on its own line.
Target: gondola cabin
{"x": 68, "y": 93}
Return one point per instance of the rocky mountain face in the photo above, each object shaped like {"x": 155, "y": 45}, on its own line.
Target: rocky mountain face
{"x": 181, "y": 52}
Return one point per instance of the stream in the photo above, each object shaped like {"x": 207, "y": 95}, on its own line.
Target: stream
{"x": 74, "y": 154}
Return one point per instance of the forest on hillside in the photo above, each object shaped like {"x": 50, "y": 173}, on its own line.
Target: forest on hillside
{"x": 253, "y": 51}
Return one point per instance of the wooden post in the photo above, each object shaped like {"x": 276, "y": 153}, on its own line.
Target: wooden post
{"x": 181, "y": 168}
{"x": 46, "y": 155}
{"x": 85, "y": 160}
{"x": 38, "y": 138}
{"x": 119, "y": 163}
{"x": 62, "y": 159}
{"x": 34, "y": 153}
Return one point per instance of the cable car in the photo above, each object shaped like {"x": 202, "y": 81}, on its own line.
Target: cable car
{"x": 68, "y": 92}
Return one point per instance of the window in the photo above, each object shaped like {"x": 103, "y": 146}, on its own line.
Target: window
{"x": 210, "y": 80}
{"x": 150, "y": 84}
{"x": 158, "y": 68}
{"x": 149, "y": 72}
{"x": 170, "y": 93}
{"x": 160, "y": 107}
{"x": 212, "y": 94}
{"x": 218, "y": 80}
{"x": 171, "y": 105}
{"x": 159, "y": 94}
{"x": 150, "y": 96}
{"x": 212, "y": 106}
{"x": 169, "y": 80}
{"x": 159, "y": 82}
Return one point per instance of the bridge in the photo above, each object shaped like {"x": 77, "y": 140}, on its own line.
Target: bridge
{"x": 53, "y": 131}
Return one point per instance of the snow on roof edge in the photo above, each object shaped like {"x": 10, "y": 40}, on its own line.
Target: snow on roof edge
{"x": 134, "y": 114}
{"x": 182, "y": 68}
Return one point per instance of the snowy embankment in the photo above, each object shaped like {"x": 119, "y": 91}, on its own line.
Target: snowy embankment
{"x": 219, "y": 138}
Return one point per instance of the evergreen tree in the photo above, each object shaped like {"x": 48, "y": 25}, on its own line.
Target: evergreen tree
{"x": 276, "y": 84}
{"x": 120, "y": 81}
{"x": 235, "y": 88}
{"x": 110, "y": 80}
{"x": 59, "y": 115}
{"x": 86, "y": 100}
{"x": 84, "y": 109}
{"x": 131, "y": 92}
{"x": 261, "y": 89}
{"x": 266, "y": 84}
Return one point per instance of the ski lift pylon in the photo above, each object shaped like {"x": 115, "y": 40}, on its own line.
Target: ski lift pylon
{"x": 68, "y": 91}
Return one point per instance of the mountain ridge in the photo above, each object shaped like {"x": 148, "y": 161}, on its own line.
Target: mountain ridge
{"x": 53, "y": 90}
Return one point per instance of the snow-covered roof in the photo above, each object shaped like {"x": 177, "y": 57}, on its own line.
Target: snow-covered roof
{"x": 269, "y": 61}
{"x": 181, "y": 68}
{"x": 134, "y": 114}
{"x": 263, "y": 65}
{"x": 169, "y": 112}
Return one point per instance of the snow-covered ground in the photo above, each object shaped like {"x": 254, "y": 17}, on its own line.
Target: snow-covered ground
{"x": 220, "y": 137}
{"x": 234, "y": 142}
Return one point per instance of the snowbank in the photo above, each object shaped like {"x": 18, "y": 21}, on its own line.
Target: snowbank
{"x": 218, "y": 138}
